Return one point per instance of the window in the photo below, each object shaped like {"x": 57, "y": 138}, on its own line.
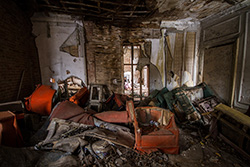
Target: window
{"x": 136, "y": 83}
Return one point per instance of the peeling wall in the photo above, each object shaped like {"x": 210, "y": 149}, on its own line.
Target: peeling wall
{"x": 158, "y": 60}
{"x": 158, "y": 57}
{"x": 104, "y": 55}
{"x": 51, "y": 33}
{"x": 182, "y": 48}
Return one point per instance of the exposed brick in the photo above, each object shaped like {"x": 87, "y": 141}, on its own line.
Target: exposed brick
{"x": 104, "y": 51}
{"x": 103, "y": 54}
{"x": 18, "y": 52}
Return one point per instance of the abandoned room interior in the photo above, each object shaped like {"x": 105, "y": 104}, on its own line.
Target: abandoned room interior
{"x": 110, "y": 83}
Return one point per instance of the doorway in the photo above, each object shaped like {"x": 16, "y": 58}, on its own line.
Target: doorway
{"x": 136, "y": 83}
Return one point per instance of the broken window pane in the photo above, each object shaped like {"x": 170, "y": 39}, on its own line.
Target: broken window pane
{"x": 127, "y": 54}
{"x": 136, "y": 84}
{"x": 145, "y": 84}
{"x": 136, "y": 54}
{"x": 127, "y": 79}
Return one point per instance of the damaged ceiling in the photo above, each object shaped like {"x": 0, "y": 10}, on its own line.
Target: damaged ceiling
{"x": 124, "y": 13}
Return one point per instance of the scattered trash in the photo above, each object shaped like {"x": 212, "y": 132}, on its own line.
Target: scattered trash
{"x": 97, "y": 127}
{"x": 101, "y": 148}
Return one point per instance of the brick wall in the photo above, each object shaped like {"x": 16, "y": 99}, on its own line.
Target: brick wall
{"x": 104, "y": 55}
{"x": 104, "y": 51}
{"x": 18, "y": 53}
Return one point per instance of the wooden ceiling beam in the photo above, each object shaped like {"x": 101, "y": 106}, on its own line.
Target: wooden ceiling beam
{"x": 63, "y": 5}
{"x": 87, "y": 5}
{"x": 115, "y": 3}
{"x": 68, "y": 8}
{"x": 47, "y": 2}
{"x": 79, "y": 13}
{"x": 135, "y": 12}
{"x": 99, "y": 6}
{"x": 127, "y": 16}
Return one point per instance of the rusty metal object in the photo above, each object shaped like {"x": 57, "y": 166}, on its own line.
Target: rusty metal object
{"x": 155, "y": 129}
{"x": 40, "y": 101}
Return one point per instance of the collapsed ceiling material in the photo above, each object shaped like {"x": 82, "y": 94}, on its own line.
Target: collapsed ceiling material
{"x": 124, "y": 13}
{"x": 99, "y": 10}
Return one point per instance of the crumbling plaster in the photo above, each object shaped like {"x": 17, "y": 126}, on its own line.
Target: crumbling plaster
{"x": 180, "y": 9}
{"x": 51, "y": 32}
{"x": 59, "y": 65}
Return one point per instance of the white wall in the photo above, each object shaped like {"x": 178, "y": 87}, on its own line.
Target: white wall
{"x": 51, "y": 32}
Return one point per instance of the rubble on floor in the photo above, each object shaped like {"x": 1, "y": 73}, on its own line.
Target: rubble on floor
{"x": 194, "y": 151}
{"x": 169, "y": 128}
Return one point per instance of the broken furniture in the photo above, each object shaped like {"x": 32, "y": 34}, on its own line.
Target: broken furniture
{"x": 155, "y": 129}
{"x": 10, "y": 134}
{"x": 68, "y": 135}
{"x": 180, "y": 101}
{"x": 98, "y": 95}
{"x": 81, "y": 97}
{"x": 41, "y": 100}
{"x": 234, "y": 128}
{"x": 205, "y": 106}
{"x": 70, "y": 111}
{"x": 163, "y": 133}
{"x": 69, "y": 87}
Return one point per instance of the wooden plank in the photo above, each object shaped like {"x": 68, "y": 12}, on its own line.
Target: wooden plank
{"x": 87, "y": 5}
{"x": 64, "y": 7}
{"x": 115, "y": 3}
{"x": 135, "y": 12}
{"x": 235, "y": 114}
{"x": 68, "y": 8}
{"x": 235, "y": 146}
{"x": 79, "y": 13}
{"x": 236, "y": 129}
{"x": 99, "y": 6}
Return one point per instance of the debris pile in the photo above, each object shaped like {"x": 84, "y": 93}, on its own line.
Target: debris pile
{"x": 96, "y": 127}
{"x": 95, "y": 146}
